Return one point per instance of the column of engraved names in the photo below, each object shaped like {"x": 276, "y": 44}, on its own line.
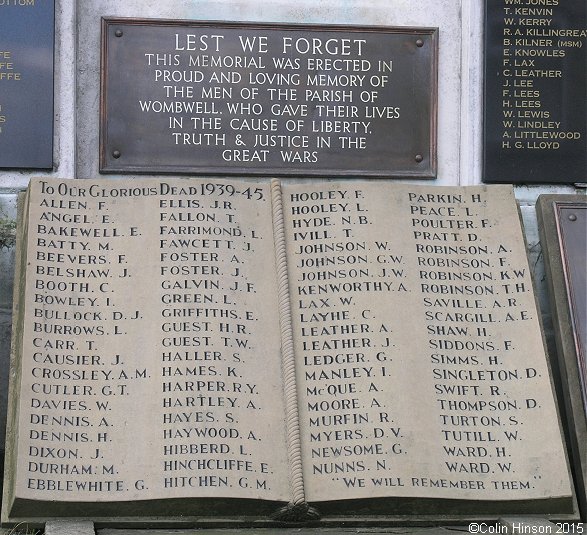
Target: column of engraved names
{"x": 8, "y": 74}
{"x": 536, "y": 68}
{"x": 77, "y": 374}
{"x": 341, "y": 283}
{"x": 212, "y": 430}
{"x": 472, "y": 289}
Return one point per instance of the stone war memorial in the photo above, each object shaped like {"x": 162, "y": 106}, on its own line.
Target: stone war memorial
{"x": 293, "y": 267}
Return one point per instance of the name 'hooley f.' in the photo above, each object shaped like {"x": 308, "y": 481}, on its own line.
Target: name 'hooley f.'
{"x": 227, "y": 348}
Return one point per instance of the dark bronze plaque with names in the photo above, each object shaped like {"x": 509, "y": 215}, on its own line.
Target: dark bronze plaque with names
{"x": 267, "y": 99}
{"x": 27, "y": 29}
{"x": 563, "y": 235}
{"x": 535, "y": 123}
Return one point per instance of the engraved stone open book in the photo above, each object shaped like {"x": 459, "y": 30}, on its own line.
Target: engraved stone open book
{"x": 236, "y": 349}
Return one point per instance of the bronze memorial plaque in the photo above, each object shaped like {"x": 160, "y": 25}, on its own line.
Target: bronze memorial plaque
{"x": 268, "y": 99}
{"x": 27, "y": 31}
{"x": 535, "y": 124}
{"x": 572, "y": 220}
{"x": 563, "y": 234}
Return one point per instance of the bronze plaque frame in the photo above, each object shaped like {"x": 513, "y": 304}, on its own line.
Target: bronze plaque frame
{"x": 174, "y": 99}
{"x": 562, "y": 221}
{"x": 571, "y": 220}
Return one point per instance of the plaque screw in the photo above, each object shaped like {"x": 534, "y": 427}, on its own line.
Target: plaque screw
{"x": 419, "y": 158}
{"x": 116, "y": 154}
{"x": 118, "y": 33}
{"x": 572, "y": 217}
{"x": 419, "y": 43}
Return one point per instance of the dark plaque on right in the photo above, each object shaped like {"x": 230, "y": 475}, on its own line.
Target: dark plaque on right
{"x": 535, "y": 112}
{"x": 562, "y": 221}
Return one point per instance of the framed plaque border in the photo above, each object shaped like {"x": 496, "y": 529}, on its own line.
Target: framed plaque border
{"x": 109, "y": 162}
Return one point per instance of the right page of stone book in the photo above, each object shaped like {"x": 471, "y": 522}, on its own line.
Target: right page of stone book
{"x": 420, "y": 361}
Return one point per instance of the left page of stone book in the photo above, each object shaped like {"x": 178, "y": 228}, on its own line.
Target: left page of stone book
{"x": 147, "y": 344}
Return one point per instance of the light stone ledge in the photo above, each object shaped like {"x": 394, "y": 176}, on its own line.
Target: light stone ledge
{"x": 69, "y": 527}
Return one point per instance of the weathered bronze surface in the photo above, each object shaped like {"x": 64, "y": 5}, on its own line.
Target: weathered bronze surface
{"x": 268, "y": 99}
{"x": 535, "y": 123}
{"x": 563, "y": 235}
{"x": 26, "y": 84}
{"x": 572, "y": 229}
